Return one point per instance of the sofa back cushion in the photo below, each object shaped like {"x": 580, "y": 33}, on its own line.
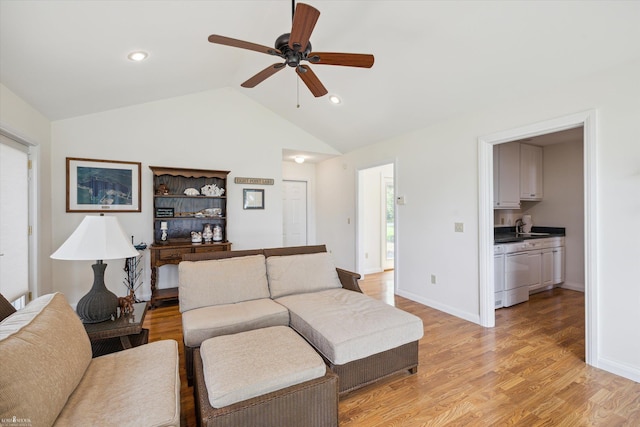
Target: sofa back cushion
{"x": 296, "y": 274}
{"x": 44, "y": 353}
{"x": 222, "y": 281}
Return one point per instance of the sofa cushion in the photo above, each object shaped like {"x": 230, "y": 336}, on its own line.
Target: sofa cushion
{"x": 250, "y": 364}
{"x": 345, "y": 325}
{"x": 295, "y": 274}
{"x": 207, "y": 322}
{"x": 45, "y": 352}
{"x": 135, "y": 387}
{"x": 223, "y": 281}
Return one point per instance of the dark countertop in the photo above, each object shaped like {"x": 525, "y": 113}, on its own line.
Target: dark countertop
{"x": 508, "y": 234}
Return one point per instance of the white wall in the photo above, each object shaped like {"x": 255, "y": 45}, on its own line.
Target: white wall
{"x": 19, "y": 118}
{"x": 437, "y": 170}
{"x": 220, "y": 129}
{"x": 370, "y": 219}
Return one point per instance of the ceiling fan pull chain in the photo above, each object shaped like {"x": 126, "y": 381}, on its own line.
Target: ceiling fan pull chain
{"x": 297, "y": 92}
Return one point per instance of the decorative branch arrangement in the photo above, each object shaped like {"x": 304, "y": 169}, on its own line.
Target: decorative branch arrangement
{"x": 133, "y": 270}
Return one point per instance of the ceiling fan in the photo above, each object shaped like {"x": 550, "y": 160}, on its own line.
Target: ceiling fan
{"x": 293, "y": 48}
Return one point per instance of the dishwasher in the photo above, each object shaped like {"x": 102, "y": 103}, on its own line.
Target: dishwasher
{"x": 521, "y": 269}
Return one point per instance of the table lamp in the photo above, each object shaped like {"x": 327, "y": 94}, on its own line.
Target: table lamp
{"x": 97, "y": 238}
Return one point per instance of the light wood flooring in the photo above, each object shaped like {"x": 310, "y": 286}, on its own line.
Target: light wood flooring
{"x": 527, "y": 371}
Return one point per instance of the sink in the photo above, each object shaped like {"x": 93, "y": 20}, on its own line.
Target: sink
{"x": 534, "y": 234}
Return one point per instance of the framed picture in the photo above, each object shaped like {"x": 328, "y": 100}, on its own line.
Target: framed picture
{"x": 103, "y": 185}
{"x": 253, "y": 199}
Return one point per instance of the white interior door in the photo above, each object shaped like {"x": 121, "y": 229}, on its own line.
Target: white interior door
{"x": 294, "y": 213}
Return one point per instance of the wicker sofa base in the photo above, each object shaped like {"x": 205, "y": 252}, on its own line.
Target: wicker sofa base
{"x": 362, "y": 372}
{"x": 312, "y": 403}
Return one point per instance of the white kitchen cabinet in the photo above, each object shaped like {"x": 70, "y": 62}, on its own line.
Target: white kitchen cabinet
{"x": 530, "y": 172}
{"x": 535, "y": 269}
{"x": 558, "y": 265}
{"x": 506, "y": 176}
{"x": 498, "y": 275}
{"x": 548, "y": 265}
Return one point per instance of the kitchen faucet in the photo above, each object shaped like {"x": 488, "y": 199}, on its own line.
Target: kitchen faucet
{"x": 519, "y": 226}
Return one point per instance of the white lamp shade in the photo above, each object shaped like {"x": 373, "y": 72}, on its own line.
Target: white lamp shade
{"x": 96, "y": 238}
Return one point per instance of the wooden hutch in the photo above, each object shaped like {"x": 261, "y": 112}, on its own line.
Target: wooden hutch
{"x": 176, "y": 214}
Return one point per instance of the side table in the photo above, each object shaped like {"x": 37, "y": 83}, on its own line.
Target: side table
{"x": 115, "y": 335}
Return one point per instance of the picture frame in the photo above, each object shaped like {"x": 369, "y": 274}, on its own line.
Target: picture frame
{"x": 253, "y": 198}
{"x": 103, "y": 185}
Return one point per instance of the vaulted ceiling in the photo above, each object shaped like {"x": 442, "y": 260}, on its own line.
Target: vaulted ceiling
{"x": 433, "y": 59}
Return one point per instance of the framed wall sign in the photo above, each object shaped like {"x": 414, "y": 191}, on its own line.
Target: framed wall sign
{"x": 253, "y": 199}
{"x": 103, "y": 185}
{"x": 164, "y": 213}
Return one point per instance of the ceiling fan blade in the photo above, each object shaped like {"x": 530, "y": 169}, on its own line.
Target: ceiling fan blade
{"x": 311, "y": 80}
{"x": 304, "y": 20}
{"x": 344, "y": 59}
{"x": 228, "y": 41}
{"x": 263, "y": 75}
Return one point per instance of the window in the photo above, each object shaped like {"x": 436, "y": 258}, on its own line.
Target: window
{"x": 14, "y": 219}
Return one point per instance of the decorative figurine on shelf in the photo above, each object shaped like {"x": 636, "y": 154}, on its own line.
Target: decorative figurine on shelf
{"x": 162, "y": 190}
{"x": 164, "y": 227}
{"x": 207, "y": 234}
{"x": 212, "y": 190}
{"x": 217, "y": 233}
{"x": 125, "y": 304}
{"x": 196, "y": 237}
{"x": 191, "y": 192}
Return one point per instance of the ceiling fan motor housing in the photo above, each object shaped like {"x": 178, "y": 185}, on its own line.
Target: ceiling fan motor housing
{"x": 291, "y": 56}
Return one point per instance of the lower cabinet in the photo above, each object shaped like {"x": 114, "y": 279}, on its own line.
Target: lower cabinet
{"x": 558, "y": 265}
{"x": 551, "y": 267}
{"x": 547, "y": 267}
{"x": 523, "y": 268}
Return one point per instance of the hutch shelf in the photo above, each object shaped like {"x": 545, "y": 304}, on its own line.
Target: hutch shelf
{"x": 176, "y": 215}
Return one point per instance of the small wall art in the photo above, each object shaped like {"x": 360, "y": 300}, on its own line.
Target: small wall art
{"x": 253, "y": 199}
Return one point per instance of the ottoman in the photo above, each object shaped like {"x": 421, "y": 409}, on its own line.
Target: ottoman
{"x": 268, "y": 377}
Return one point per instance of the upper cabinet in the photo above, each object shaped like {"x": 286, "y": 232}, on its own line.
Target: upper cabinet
{"x": 530, "y": 172}
{"x": 506, "y": 176}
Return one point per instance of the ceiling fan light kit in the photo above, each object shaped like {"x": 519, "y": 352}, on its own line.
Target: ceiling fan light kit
{"x": 293, "y": 48}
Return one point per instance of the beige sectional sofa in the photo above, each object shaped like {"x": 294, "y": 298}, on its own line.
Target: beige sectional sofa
{"x": 360, "y": 338}
{"x": 48, "y": 377}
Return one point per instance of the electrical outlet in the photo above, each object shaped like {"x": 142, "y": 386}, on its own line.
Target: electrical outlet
{"x": 459, "y": 227}
{"x": 433, "y": 279}
{"x": 366, "y": 255}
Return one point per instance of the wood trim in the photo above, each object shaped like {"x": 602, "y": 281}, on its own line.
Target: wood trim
{"x": 189, "y": 173}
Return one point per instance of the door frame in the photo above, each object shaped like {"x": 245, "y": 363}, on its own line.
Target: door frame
{"x": 359, "y": 256}
{"x": 33, "y": 155}
{"x": 587, "y": 119}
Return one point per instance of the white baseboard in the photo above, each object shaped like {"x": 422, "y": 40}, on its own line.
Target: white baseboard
{"x": 573, "y": 286}
{"x": 471, "y": 317}
{"x": 626, "y": 371}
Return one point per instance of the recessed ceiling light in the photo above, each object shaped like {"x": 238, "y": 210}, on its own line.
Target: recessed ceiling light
{"x": 138, "y": 56}
{"x": 299, "y": 159}
{"x": 335, "y": 99}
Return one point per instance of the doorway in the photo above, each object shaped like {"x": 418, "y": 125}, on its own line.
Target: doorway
{"x": 486, "y": 216}
{"x": 376, "y": 251}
